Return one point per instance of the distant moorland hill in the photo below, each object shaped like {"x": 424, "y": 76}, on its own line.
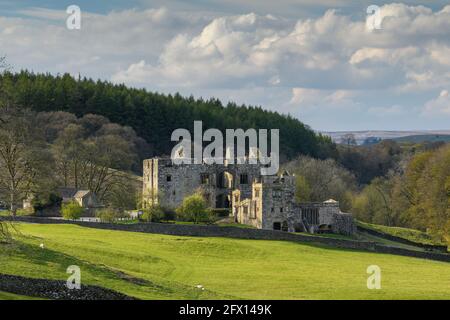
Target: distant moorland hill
{"x": 424, "y": 138}
{"x": 154, "y": 116}
{"x": 416, "y": 136}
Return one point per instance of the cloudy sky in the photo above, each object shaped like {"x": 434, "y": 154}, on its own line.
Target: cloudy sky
{"x": 314, "y": 59}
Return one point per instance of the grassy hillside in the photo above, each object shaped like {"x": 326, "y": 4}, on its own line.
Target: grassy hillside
{"x": 161, "y": 267}
{"x": 405, "y": 233}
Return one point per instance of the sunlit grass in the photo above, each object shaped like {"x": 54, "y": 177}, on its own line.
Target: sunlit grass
{"x": 405, "y": 233}
{"x": 228, "y": 268}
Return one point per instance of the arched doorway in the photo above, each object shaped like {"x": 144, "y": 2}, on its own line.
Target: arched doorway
{"x": 284, "y": 226}
{"x": 225, "y": 180}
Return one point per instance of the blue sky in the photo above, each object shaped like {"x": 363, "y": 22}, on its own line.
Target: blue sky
{"x": 291, "y": 8}
{"x": 313, "y": 59}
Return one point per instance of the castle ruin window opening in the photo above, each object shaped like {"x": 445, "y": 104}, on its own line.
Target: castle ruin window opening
{"x": 204, "y": 177}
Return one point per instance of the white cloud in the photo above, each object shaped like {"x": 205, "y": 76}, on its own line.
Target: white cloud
{"x": 304, "y": 97}
{"x": 223, "y": 54}
{"x": 118, "y": 39}
{"x": 330, "y": 52}
{"x": 326, "y": 64}
{"x": 439, "y": 105}
{"x": 323, "y": 107}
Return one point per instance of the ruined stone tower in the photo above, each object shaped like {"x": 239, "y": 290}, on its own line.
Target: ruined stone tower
{"x": 168, "y": 184}
{"x": 271, "y": 205}
{"x": 265, "y": 202}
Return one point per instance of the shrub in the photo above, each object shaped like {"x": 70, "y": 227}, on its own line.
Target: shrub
{"x": 194, "y": 209}
{"x": 71, "y": 210}
{"x": 42, "y": 203}
{"x": 109, "y": 215}
{"x": 153, "y": 214}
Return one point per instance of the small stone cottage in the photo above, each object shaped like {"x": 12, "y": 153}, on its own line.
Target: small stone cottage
{"x": 85, "y": 198}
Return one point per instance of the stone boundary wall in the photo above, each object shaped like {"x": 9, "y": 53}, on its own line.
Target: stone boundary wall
{"x": 240, "y": 233}
{"x": 386, "y": 236}
{"x": 56, "y": 289}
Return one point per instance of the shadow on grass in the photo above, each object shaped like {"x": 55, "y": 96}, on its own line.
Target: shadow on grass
{"x": 99, "y": 274}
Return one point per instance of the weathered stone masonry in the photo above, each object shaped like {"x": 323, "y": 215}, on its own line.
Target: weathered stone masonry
{"x": 272, "y": 206}
{"x": 265, "y": 202}
{"x": 169, "y": 184}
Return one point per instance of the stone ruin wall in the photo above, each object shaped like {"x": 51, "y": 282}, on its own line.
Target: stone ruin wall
{"x": 185, "y": 179}
{"x": 276, "y": 192}
{"x": 278, "y": 199}
{"x": 330, "y": 214}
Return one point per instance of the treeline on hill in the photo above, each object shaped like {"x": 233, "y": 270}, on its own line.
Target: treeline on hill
{"x": 417, "y": 195}
{"x": 155, "y": 116}
{"x": 387, "y": 183}
{"x": 41, "y": 152}
{"x": 340, "y": 177}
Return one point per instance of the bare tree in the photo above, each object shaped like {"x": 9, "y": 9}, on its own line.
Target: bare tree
{"x": 321, "y": 180}
{"x": 69, "y": 153}
{"x": 21, "y": 156}
{"x": 96, "y": 163}
{"x": 4, "y": 228}
{"x": 104, "y": 158}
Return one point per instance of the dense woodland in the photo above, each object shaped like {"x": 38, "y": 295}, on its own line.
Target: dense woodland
{"x": 41, "y": 152}
{"x": 404, "y": 185}
{"x": 416, "y": 195}
{"x": 155, "y": 116}
{"x": 60, "y": 131}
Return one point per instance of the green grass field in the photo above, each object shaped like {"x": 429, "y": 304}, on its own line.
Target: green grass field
{"x": 405, "y": 233}
{"x": 10, "y": 296}
{"x": 153, "y": 266}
